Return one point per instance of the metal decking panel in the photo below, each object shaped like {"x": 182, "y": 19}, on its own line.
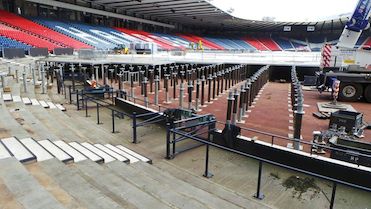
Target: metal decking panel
{"x": 130, "y": 152}
{"x": 18, "y": 150}
{"x": 77, "y": 156}
{"x": 106, "y": 157}
{"x": 56, "y": 151}
{"x": 92, "y": 156}
{"x": 40, "y": 153}
{"x": 131, "y": 158}
{"x": 111, "y": 153}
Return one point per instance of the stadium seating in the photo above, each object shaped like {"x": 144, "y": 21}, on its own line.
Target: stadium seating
{"x": 9, "y": 43}
{"x": 269, "y": 43}
{"x": 173, "y": 38}
{"x": 206, "y": 44}
{"x": 285, "y": 44}
{"x": 38, "y": 30}
{"x": 255, "y": 43}
{"x": 74, "y": 33}
{"x": 26, "y": 37}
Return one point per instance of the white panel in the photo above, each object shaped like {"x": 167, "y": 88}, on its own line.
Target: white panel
{"x": 51, "y": 105}
{"x": 3, "y": 152}
{"x": 40, "y": 153}
{"x": 17, "y": 99}
{"x": 86, "y": 152}
{"x": 7, "y": 97}
{"x": 56, "y": 151}
{"x": 26, "y": 101}
{"x": 35, "y": 102}
{"x": 130, "y": 157}
{"x": 18, "y": 150}
{"x": 44, "y": 104}
{"x": 348, "y": 39}
{"x": 59, "y": 106}
{"x": 77, "y": 156}
{"x": 107, "y": 158}
{"x": 140, "y": 157}
{"x": 111, "y": 153}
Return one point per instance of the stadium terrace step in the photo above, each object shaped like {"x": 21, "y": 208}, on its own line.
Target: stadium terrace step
{"x": 35, "y": 102}
{"x": 26, "y": 101}
{"x": 78, "y": 187}
{"x": 56, "y": 151}
{"x": 4, "y": 152}
{"x": 131, "y": 158}
{"x": 155, "y": 188}
{"x": 26, "y": 190}
{"x": 210, "y": 186}
{"x": 136, "y": 155}
{"x": 51, "y": 105}
{"x": 36, "y": 149}
{"x": 17, "y": 99}
{"x": 180, "y": 186}
{"x": 83, "y": 150}
{"x": 60, "y": 107}
{"x": 43, "y": 104}
{"x": 114, "y": 186}
{"x": 112, "y": 153}
{"x": 77, "y": 156}
{"x": 20, "y": 152}
{"x": 106, "y": 157}
{"x": 7, "y": 97}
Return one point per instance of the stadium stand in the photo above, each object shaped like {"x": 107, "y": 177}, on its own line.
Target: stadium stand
{"x": 27, "y": 38}
{"x": 269, "y": 43}
{"x": 38, "y": 30}
{"x": 206, "y": 44}
{"x": 285, "y": 44}
{"x": 255, "y": 43}
{"x": 10, "y": 43}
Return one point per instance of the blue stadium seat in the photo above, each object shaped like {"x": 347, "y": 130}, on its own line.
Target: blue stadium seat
{"x": 285, "y": 44}
{"x": 10, "y": 43}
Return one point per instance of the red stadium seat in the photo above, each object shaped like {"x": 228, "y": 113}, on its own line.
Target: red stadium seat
{"x": 270, "y": 44}
{"x": 255, "y": 43}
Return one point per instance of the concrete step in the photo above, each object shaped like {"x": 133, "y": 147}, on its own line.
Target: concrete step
{"x": 26, "y": 190}
{"x": 211, "y": 200}
{"x": 56, "y": 151}
{"x": 17, "y": 98}
{"x": 86, "y": 152}
{"x": 155, "y": 188}
{"x": 7, "y": 199}
{"x": 76, "y": 186}
{"x": 53, "y": 188}
{"x": 117, "y": 188}
{"x": 51, "y": 105}
{"x": 18, "y": 150}
{"x": 77, "y": 156}
{"x": 131, "y": 158}
{"x": 60, "y": 107}
{"x": 34, "y": 147}
{"x": 4, "y": 153}
{"x": 43, "y": 104}
{"x": 117, "y": 156}
{"x": 35, "y": 102}
{"x": 26, "y": 101}
{"x": 134, "y": 154}
{"x": 7, "y": 97}
{"x": 106, "y": 157}
{"x": 209, "y": 186}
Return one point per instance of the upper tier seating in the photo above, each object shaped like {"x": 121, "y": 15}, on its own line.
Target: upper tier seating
{"x": 270, "y": 44}
{"x": 255, "y": 43}
{"x": 26, "y": 37}
{"x": 10, "y": 43}
{"x": 45, "y": 33}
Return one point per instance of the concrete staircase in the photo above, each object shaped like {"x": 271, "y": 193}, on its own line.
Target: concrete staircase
{"x": 65, "y": 175}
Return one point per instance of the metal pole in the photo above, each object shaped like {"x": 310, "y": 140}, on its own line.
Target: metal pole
{"x": 332, "y": 202}
{"x": 113, "y": 121}
{"x": 98, "y": 122}
{"x": 134, "y": 127}
{"x": 181, "y": 95}
{"x": 157, "y": 80}
{"x": 168, "y": 135}
{"x": 24, "y": 80}
{"x": 259, "y": 195}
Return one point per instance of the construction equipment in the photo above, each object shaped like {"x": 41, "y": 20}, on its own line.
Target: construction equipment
{"x": 352, "y": 67}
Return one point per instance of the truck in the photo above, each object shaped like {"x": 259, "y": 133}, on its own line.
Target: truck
{"x": 350, "y": 66}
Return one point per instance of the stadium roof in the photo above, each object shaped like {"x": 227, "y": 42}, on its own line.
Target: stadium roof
{"x": 202, "y": 13}
{"x": 199, "y": 13}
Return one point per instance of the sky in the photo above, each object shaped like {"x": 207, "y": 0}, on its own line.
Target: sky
{"x": 287, "y": 10}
